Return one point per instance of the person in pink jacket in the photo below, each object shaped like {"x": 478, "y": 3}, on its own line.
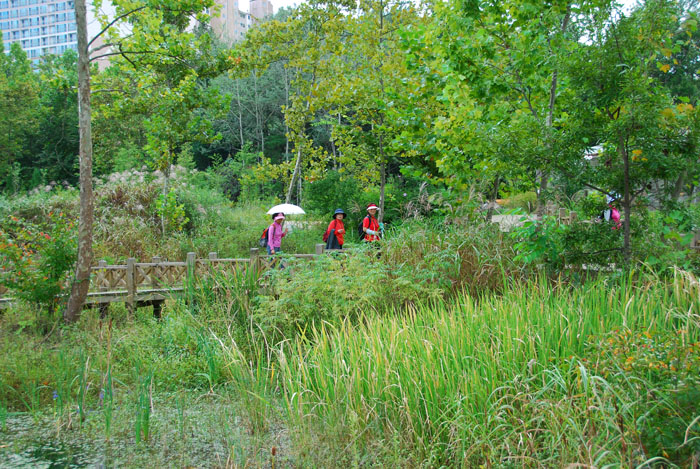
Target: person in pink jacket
{"x": 275, "y": 233}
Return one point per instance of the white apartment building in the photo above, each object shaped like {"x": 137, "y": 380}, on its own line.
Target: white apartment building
{"x": 231, "y": 23}
{"x": 39, "y": 26}
{"x": 44, "y": 27}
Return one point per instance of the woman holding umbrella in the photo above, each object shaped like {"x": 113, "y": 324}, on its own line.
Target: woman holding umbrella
{"x": 335, "y": 234}
{"x": 275, "y": 233}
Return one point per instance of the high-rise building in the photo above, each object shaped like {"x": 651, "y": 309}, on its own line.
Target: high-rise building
{"x": 48, "y": 26}
{"x": 260, "y": 9}
{"x": 231, "y": 23}
{"x": 39, "y": 26}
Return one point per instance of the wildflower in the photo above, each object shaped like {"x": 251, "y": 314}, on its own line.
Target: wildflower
{"x": 55, "y": 395}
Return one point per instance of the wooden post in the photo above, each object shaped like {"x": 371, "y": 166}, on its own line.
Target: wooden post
{"x": 131, "y": 285}
{"x": 104, "y": 307}
{"x": 156, "y": 283}
{"x": 190, "y": 276}
{"x": 212, "y": 257}
{"x": 572, "y": 217}
{"x": 255, "y": 258}
{"x": 157, "y": 308}
{"x": 562, "y": 216}
{"x": 155, "y": 278}
{"x": 320, "y": 248}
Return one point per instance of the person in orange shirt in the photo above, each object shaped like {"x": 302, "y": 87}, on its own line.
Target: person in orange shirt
{"x": 370, "y": 225}
{"x": 335, "y": 234}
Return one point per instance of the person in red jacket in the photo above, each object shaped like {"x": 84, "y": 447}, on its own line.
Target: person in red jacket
{"x": 335, "y": 234}
{"x": 370, "y": 225}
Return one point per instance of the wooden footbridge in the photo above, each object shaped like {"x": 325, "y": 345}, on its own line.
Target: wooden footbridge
{"x": 150, "y": 283}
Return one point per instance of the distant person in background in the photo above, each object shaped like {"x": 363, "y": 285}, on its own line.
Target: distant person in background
{"x": 370, "y": 225}
{"x": 612, "y": 213}
{"x": 335, "y": 234}
{"x": 275, "y": 233}
{"x": 615, "y": 217}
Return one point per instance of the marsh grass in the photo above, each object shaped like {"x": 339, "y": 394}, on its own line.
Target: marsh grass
{"x": 144, "y": 407}
{"x": 440, "y": 352}
{"x": 487, "y": 380}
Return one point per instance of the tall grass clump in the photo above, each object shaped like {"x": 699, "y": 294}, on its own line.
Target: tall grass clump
{"x": 421, "y": 261}
{"x": 461, "y": 255}
{"x": 488, "y": 380}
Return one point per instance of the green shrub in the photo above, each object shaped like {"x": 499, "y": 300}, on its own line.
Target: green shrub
{"x": 668, "y": 393}
{"x": 526, "y": 201}
{"x": 37, "y": 259}
{"x": 335, "y": 190}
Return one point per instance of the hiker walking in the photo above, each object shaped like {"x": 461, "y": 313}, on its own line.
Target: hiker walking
{"x": 370, "y": 225}
{"x": 275, "y": 233}
{"x": 335, "y": 234}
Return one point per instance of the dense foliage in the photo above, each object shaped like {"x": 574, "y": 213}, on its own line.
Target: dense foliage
{"x": 551, "y": 337}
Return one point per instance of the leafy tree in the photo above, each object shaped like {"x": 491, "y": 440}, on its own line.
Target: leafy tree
{"x": 679, "y": 71}
{"x": 19, "y": 117}
{"x": 157, "y": 38}
{"x": 303, "y": 42}
{"x": 55, "y": 149}
{"x": 619, "y": 105}
{"x": 371, "y": 72}
{"x": 500, "y": 67}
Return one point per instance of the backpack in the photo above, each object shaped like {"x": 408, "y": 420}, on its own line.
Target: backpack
{"x": 326, "y": 235}
{"x": 360, "y": 229}
{"x": 263, "y": 238}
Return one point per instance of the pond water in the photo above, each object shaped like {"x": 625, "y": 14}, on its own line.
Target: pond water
{"x": 21, "y": 447}
{"x": 204, "y": 431}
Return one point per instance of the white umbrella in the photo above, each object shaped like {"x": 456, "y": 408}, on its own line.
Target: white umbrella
{"x": 287, "y": 209}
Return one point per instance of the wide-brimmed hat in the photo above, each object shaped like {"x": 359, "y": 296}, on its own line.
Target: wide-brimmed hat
{"x": 372, "y": 206}
{"x": 279, "y": 216}
{"x": 339, "y": 210}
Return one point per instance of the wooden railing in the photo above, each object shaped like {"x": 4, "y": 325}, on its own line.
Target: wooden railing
{"x": 150, "y": 283}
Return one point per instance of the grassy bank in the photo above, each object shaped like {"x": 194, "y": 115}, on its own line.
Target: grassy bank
{"x": 543, "y": 374}
{"x": 534, "y": 377}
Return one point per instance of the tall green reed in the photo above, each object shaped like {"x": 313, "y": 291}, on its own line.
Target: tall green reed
{"x": 432, "y": 373}
{"x": 83, "y": 385}
{"x": 253, "y": 379}
{"x": 107, "y": 394}
{"x": 144, "y": 408}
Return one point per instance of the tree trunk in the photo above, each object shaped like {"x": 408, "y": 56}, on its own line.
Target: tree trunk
{"x": 297, "y": 168}
{"x": 678, "y": 186}
{"x": 544, "y": 175}
{"x": 166, "y": 189}
{"x": 258, "y": 116}
{"x": 333, "y": 148}
{"x": 626, "y": 200}
{"x": 492, "y": 202}
{"x": 81, "y": 280}
{"x": 240, "y": 111}
{"x": 286, "y": 105}
{"x": 297, "y": 165}
{"x": 382, "y": 178}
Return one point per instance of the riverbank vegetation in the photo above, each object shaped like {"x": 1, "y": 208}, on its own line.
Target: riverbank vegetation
{"x": 537, "y": 341}
{"x": 548, "y": 371}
